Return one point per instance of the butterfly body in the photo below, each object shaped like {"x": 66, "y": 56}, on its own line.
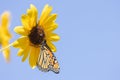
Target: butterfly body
{"x": 47, "y": 61}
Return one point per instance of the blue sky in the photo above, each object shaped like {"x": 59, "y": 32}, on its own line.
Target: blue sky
{"x": 89, "y": 48}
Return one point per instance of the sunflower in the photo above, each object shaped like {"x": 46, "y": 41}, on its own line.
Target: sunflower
{"x": 34, "y": 31}
{"x": 5, "y": 35}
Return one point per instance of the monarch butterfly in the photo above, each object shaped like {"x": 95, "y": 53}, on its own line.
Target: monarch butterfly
{"x": 46, "y": 60}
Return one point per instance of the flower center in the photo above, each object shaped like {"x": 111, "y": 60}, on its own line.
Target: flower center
{"x": 36, "y": 35}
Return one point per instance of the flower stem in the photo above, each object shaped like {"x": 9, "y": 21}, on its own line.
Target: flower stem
{"x": 6, "y": 47}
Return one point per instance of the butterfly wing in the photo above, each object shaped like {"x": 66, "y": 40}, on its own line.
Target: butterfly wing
{"x": 47, "y": 61}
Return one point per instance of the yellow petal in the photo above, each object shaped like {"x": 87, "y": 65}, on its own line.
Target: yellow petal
{"x": 53, "y": 37}
{"x": 7, "y": 35}
{"x": 0, "y": 39}
{"x": 5, "y": 25}
{"x": 6, "y": 52}
{"x": 32, "y": 57}
{"x": 51, "y": 18}
{"x": 32, "y": 13}
{"x": 26, "y": 22}
{"x": 16, "y": 44}
{"x": 45, "y": 13}
{"x": 21, "y": 42}
{"x": 21, "y": 30}
{"x": 20, "y": 52}
{"x": 52, "y": 27}
{"x": 5, "y": 19}
{"x": 52, "y": 46}
{"x": 36, "y": 55}
{"x": 26, "y": 52}
{"x": 47, "y": 26}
